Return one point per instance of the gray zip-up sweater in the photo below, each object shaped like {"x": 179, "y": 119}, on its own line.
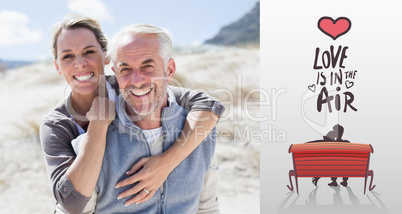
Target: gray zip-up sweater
{"x": 126, "y": 144}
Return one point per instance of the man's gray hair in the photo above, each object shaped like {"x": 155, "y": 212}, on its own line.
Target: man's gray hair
{"x": 165, "y": 43}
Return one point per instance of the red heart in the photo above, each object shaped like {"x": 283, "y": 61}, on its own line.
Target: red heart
{"x": 334, "y": 29}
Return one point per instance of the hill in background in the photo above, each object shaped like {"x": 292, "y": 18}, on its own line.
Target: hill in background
{"x": 244, "y": 32}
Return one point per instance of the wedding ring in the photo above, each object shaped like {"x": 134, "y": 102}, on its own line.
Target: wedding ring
{"x": 146, "y": 191}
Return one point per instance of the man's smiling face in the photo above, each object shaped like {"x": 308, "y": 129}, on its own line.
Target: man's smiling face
{"x": 141, "y": 74}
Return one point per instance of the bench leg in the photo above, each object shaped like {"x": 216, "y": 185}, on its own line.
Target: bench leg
{"x": 371, "y": 187}
{"x": 292, "y": 173}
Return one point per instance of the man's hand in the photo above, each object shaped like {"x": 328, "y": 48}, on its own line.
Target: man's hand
{"x": 154, "y": 172}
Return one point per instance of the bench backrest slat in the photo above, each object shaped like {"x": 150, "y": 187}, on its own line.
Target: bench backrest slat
{"x": 331, "y": 159}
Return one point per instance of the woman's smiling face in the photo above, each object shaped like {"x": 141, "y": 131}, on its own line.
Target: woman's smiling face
{"x": 80, "y": 59}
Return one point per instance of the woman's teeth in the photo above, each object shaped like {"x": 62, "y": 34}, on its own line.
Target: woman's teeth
{"x": 84, "y": 77}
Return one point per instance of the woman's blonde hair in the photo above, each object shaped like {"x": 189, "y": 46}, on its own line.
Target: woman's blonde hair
{"x": 74, "y": 21}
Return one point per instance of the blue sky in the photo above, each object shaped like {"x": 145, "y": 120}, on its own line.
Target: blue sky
{"x": 25, "y": 26}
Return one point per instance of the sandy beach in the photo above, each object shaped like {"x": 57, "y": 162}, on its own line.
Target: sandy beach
{"x": 28, "y": 93}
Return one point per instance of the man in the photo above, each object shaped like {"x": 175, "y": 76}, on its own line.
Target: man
{"x": 148, "y": 122}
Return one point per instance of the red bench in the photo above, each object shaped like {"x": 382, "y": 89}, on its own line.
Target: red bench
{"x": 331, "y": 159}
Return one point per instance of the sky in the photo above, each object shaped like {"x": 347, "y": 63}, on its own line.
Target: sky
{"x": 25, "y": 25}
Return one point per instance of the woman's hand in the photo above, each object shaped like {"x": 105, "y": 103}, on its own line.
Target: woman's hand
{"x": 84, "y": 171}
{"x": 102, "y": 110}
{"x": 153, "y": 171}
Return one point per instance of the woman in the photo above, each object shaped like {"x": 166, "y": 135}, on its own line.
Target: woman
{"x": 79, "y": 49}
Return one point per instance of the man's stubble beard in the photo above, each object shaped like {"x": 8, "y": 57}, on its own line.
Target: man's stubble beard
{"x": 158, "y": 98}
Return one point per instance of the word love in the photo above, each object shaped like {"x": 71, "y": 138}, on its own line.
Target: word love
{"x": 330, "y": 58}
